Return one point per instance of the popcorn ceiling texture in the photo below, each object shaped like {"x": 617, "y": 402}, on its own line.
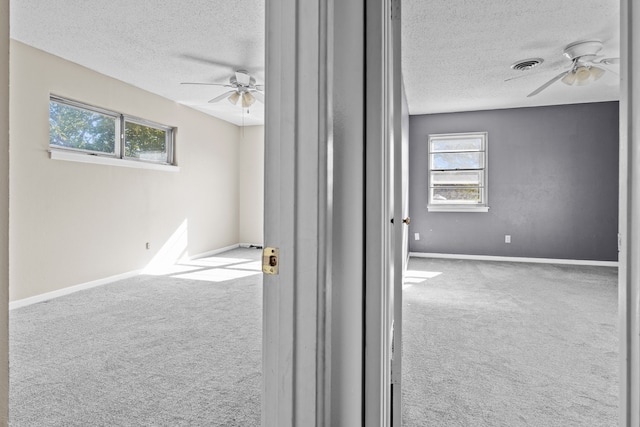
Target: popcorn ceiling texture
{"x": 455, "y": 55}
{"x": 151, "y": 44}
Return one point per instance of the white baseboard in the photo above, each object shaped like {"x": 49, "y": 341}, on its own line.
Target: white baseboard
{"x": 214, "y": 252}
{"x": 251, "y": 245}
{"x": 516, "y": 259}
{"x": 69, "y": 290}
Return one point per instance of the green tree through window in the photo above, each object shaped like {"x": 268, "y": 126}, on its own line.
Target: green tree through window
{"x": 144, "y": 142}
{"x": 73, "y": 127}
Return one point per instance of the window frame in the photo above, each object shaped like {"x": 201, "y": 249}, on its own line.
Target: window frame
{"x": 169, "y": 132}
{"x": 483, "y": 206}
{"x": 119, "y": 144}
{"x": 92, "y": 109}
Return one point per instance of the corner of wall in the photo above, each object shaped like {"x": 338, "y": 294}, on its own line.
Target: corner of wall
{"x": 251, "y": 185}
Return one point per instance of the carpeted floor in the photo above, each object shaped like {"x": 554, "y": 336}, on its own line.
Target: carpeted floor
{"x": 181, "y": 349}
{"x": 509, "y": 344}
{"x": 485, "y": 344}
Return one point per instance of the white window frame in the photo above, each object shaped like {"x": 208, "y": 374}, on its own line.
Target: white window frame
{"x": 169, "y": 131}
{"x": 76, "y": 154}
{"x": 436, "y": 206}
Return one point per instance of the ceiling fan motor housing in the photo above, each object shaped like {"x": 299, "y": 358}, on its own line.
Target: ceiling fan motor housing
{"x": 583, "y": 50}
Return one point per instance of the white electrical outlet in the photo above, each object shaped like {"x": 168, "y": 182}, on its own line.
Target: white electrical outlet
{"x": 507, "y": 238}
{"x": 416, "y": 236}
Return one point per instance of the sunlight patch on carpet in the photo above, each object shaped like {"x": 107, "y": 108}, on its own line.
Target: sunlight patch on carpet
{"x": 217, "y": 275}
{"x": 214, "y": 261}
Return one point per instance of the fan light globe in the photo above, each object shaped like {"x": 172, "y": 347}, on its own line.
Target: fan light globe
{"x": 233, "y": 98}
{"x": 596, "y": 73}
{"x": 583, "y": 76}
{"x": 247, "y": 100}
{"x": 569, "y": 78}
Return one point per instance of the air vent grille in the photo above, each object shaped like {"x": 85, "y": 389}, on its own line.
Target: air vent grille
{"x": 527, "y": 64}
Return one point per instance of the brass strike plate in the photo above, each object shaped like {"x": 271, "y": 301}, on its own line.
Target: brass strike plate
{"x": 270, "y": 260}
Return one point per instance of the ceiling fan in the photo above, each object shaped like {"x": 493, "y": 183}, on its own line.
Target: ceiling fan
{"x": 244, "y": 88}
{"x": 583, "y": 65}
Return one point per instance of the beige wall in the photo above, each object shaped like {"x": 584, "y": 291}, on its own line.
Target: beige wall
{"x": 73, "y": 223}
{"x": 4, "y": 212}
{"x": 251, "y": 181}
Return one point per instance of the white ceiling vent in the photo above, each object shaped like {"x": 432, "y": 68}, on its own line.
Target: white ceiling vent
{"x": 526, "y": 64}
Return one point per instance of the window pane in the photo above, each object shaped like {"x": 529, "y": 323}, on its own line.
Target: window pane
{"x": 461, "y": 195}
{"x": 73, "y": 127}
{"x": 455, "y": 178}
{"x": 145, "y": 142}
{"x": 453, "y": 161}
{"x": 462, "y": 144}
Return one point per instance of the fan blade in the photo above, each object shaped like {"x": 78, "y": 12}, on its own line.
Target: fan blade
{"x": 518, "y": 77}
{"x": 204, "y": 60}
{"x": 609, "y": 70}
{"x": 549, "y": 83}
{"x": 258, "y": 95}
{"x": 221, "y": 97}
{"x": 205, "y": 84}
{"x": 609, "y": 61}
{"x": 260, "y": 88}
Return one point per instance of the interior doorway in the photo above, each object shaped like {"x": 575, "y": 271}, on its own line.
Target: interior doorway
{"x": 430, "y": 277}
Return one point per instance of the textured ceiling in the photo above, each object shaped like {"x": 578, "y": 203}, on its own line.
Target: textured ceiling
{"x": 154, "y": 44}
{"x": 456, "y": 53}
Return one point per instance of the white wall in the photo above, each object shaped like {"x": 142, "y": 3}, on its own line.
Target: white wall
{"x": 72, "y": 223}
{"x": 251, "y": 182}
{"x": 4, "y": 212}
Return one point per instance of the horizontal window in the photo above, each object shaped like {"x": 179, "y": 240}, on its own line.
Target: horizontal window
{"x": 457, "y": 172}
{"x": 145, "y": 142}
{"x": 84, "y": 128}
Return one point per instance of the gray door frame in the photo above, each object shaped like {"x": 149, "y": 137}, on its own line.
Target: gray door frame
{"x": 400, "y": 211}
{"x": 326, "y": 350}
{"x": 296, "y": 210}
{"x": 629, "y": 219}
{"x": 314, "y": 165}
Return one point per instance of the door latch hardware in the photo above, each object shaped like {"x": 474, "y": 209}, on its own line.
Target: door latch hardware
{"x": 270, "y": 260}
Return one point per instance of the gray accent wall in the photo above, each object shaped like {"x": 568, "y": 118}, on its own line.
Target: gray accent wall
{"x": 552, "y": 182}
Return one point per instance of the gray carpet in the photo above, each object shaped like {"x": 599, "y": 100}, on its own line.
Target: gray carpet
{"x": 179, "y": 349}
{"x": 506, "y": 344}
{"x": 486, "y": 344}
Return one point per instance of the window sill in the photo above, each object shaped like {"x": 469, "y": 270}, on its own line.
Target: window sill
{"x": 110, "y": 161}
{"x": 432, "y": 208}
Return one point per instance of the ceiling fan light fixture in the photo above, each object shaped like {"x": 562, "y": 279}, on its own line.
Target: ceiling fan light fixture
{"x": 233, "y": 98}
{"x": 582, "y": 72}
{"x": 583, "y": 76}
{"x": 596, "y": 73}
{"x": 569, "y": 78}
{"x": 247, "y": 100}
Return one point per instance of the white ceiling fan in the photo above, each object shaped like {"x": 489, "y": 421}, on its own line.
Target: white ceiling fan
{"x": 584, "y": 69}
{"x": 244, "y": 88}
